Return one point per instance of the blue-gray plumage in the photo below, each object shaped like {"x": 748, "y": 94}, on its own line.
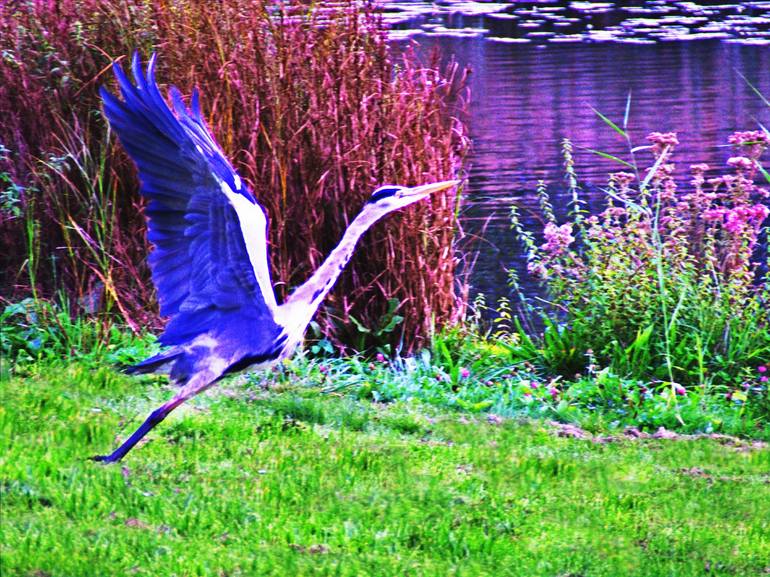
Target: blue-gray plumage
{"x": 209, "y": 261}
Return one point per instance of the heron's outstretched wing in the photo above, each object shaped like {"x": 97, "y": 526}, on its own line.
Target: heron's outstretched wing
{"x": 209, "y": 233}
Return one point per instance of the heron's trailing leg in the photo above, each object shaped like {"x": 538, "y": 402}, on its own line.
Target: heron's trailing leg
{"x": 195, "y": 386}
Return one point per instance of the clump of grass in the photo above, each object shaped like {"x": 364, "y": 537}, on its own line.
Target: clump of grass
{"x": 663, "y": 285}
{"x": 47, "y": 333}
{"x": 307, "y": 102}
{"x": 473, "y": 372}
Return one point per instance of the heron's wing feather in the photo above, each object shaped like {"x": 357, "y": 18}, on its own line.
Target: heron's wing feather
{"x": 208, "y": 231}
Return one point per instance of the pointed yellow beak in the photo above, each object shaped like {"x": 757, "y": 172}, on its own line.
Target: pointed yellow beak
{"x": 427, "y": 189}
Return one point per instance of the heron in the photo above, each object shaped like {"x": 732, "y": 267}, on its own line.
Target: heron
{"x": 209, "y": 259}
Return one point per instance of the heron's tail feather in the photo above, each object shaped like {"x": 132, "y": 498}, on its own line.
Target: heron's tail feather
{"x": 158, "y": 363}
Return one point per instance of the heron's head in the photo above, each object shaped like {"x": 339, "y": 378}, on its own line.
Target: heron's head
{"x": 392, "y": 197}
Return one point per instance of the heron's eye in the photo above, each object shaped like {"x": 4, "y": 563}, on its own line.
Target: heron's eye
{"x": 384, "y": 192}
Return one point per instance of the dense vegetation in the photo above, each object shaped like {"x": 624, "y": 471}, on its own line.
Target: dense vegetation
{"x": 665, "y": 283}
{"x": 465, "y": 369}
{"x": 308, "y": 103}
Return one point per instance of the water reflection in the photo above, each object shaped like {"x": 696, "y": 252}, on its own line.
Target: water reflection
{"x": 527, "y": 97}
{"x": 640, "y": 22}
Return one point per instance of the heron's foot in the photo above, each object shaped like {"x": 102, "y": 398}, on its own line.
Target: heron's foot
{"x": 106, "y": 458}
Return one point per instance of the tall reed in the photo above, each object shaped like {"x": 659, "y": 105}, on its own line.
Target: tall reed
{"x": 306, "y": 100}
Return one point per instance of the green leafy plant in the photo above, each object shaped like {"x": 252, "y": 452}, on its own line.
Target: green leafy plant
{"x": 379, "y": 335}
{"x": 663, "y": 285}
{"x": 48, "y": 332}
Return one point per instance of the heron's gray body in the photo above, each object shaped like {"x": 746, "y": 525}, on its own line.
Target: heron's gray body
{"x": 210, "y": 260}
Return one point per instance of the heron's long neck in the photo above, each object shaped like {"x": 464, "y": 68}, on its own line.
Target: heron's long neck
{"x": 313, "y": 291}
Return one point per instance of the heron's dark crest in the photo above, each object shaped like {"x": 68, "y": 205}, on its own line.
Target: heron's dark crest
{"x": 384, "y": 192}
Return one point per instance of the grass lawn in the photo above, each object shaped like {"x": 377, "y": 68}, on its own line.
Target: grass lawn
{"x": 245, "y": 481}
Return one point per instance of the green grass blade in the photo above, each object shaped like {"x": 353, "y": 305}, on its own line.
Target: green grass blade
{"x": 611, "y": 124}
{"x": 763, "y": 171}
{"x": 754, "y": 89}
{"x": 654, "y": 169}
{"x": 607, "y": 156}
{"x": 628, "y": 111}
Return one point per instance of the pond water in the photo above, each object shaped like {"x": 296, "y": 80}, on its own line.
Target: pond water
{"x": 538, "y": 69}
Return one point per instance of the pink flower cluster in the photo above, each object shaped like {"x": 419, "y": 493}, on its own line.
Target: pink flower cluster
{"x": 663, "y": 142}
{"x": 663, "y": 138}
{"x": 736, "y": 219}
{"x": 557, "y": 238}
{"x": 752, "y": 142}
{"x": 622, "y": 179}
{"x": 741, "y": 163}
{"x": 554, "y": 256}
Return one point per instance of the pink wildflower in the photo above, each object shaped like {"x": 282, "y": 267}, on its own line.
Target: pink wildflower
{"x": 622, "y": 176}
{"x": 622, "y": 179}
{"x": 494, "y": 419}
{"x": 380, "y": 358}
{"x": 752, "y": 142}
{"x": 663, "y": 138}
{"x": 679, "y": 390}
{"x": 763, "y": 379}
{"x": 715, "y": 182}
{"x": 537, "y": 268}
{"x": 761, "y": 369}
{"x": 614, "y": 212}
{"x": 749, "y": 136}
{"x": 734, "y": 221}
{"x": 464, "y": 373}
{"x": 740, "y": 163}
{"x": 738, "y": 217}
{"x": 714, "y": 214}
{"x": 558, "y": 238}
{"x": 760, "y": 212}
{"x": 663, "y": 142}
